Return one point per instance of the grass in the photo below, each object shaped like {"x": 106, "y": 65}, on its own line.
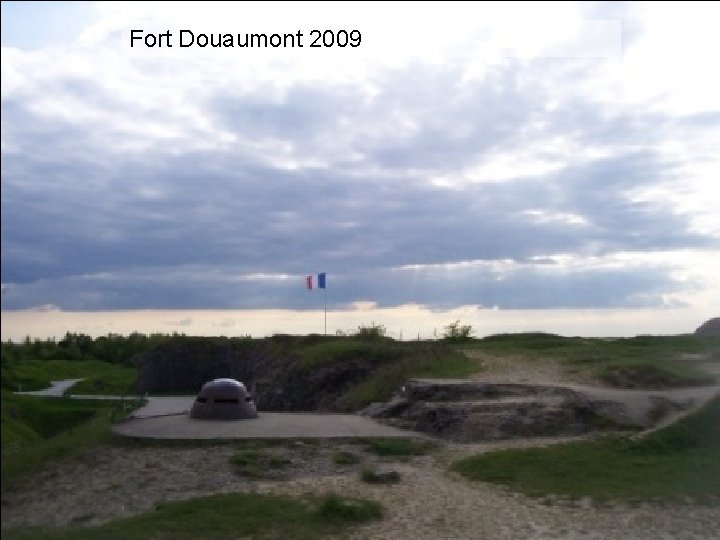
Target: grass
{"x": 430, "y": 362}
{"x": 673, "y": 463}
{"x": 345, "y": 350}
{"x": 37, "y": 430}
{"x": 259, "y": 463}
{"x": 346, "y": 458}
{"x": 334, "y": 509}
{"x": 118, "y": 381}
{"x": 398, "y": 447}
{"x": 661, "y": 373}
{"x": 101, "y": 377}
{"x": 225, "y": 516}
{"x": 50, "y": 416}
{"x": 642, "y": 361}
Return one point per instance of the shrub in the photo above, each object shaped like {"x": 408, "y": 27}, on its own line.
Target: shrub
{"x": 371, "y": 332}
{"x": 456, "y": 332}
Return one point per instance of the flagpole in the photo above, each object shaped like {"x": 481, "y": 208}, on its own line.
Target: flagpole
{"x": 325, "y": 290}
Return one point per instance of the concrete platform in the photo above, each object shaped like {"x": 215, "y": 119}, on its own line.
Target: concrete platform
{"x": 269, "y": 425}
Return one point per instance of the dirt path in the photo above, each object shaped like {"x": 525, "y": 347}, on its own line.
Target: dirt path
{"x": 428, "y": 503}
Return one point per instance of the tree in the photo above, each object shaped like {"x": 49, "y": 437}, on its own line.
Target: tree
{"x": 456, "y": 332}
{"x": 375, "y": 331}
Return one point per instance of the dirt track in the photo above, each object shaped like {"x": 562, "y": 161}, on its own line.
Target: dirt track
{"x": 428, "y": 503}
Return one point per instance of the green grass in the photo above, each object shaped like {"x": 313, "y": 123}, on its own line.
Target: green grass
{"x": 345, "y": 350}
{"x": 101, "y": 377}
{"x": 590, "y": 350}
{"x": 37, "y": 430}
{"x": 16, "y": 434}
{"x": 679, "y": 461}
{"x": 50, "y": 416}
{"x": 659, "y": 360}
{"x": 335, "y": 509}
{"x": 222, "y": 517}
{"x": 430, "y": 362}
{"x": 398, "y": 447}
{"x": 660, "y": 373}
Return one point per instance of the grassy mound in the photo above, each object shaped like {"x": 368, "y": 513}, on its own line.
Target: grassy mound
{"x": 339, "y": 351}
{"x": 418, "y": 361}
{"x": 101, "y": 377}
{"x": 37, "y": 430}
{"x": 679, "y": 461}
{"x": 636, "y": 362}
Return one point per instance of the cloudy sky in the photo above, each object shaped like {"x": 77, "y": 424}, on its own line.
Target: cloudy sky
{"x": 522, "y": 166}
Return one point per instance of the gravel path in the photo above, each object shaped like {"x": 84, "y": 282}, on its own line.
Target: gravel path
{"x": 427, "y": 503}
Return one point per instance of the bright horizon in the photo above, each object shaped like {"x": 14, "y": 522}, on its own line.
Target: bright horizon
{"x": 404, "y": 322}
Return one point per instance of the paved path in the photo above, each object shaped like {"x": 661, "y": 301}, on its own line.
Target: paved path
{"x": 167, "y": 417}
{"x": 268, "y": 425}
{"x": 56, "y": 389}
{"x": 164, "y": 406}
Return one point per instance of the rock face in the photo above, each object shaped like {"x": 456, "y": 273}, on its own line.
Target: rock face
{"x": 476, "y": 411}
{"x": 709, "y": 328}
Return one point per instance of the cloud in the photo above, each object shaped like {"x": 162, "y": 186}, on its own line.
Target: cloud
{"x": 134, "y": 182}
{"x": 534, "y": 284}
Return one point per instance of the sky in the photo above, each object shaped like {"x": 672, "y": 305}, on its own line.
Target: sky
{"x": 515, "y": 166}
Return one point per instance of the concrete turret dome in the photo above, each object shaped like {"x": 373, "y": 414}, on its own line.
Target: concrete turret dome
{"x": 223, "y": 399}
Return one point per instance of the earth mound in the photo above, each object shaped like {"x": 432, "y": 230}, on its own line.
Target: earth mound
{"x": 710, "y": 327}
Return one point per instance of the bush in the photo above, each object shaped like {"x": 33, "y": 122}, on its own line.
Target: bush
{"x": 371, "y": 332}
{"x": 456, "y": 332}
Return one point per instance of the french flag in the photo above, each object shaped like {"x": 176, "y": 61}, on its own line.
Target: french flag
{"x": 320, "y": 281}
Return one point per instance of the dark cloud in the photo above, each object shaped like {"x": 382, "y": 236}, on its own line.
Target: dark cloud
{"x": 88, "y": 224}
{"x": 538, "y": 286}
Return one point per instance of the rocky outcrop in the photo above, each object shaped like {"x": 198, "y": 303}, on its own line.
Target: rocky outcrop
{"x": 709, "y": 328}
{"x": 476, "y": 411}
